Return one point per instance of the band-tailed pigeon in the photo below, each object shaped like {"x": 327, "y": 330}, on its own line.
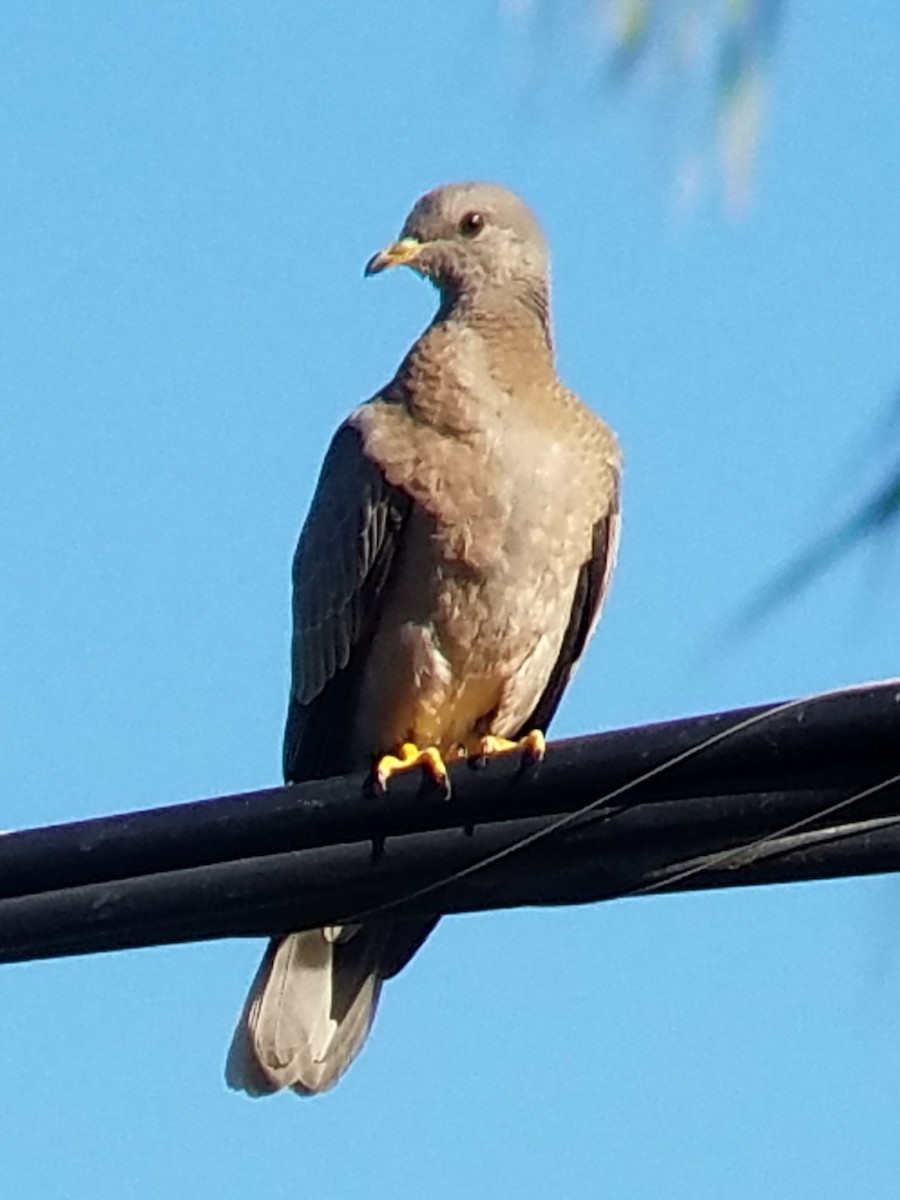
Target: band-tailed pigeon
{"x": 450, "y": 572}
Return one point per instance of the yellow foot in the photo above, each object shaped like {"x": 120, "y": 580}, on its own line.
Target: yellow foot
{"x": 408, "y": 758}
{"x": 533, "y": 745}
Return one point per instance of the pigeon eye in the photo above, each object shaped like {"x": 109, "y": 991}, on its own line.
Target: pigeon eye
{"x": 471, "y": 224}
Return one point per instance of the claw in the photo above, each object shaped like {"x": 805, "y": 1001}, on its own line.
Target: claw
{"x": 490, "y": 745}
{"x": 408, "y": 758}
{"x": 533, "y": 746}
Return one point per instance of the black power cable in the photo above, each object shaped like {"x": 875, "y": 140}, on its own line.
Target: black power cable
{"x": 805, "y": 790}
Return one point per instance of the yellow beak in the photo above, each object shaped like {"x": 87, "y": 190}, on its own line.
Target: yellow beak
{"x": 398, "y": 254}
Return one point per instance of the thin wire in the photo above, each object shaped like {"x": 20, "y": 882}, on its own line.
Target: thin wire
{"x": 735, "y": 856}
{"x": 653, "y": 773}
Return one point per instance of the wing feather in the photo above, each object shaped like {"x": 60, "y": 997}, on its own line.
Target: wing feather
{"x": 342, "y": 570}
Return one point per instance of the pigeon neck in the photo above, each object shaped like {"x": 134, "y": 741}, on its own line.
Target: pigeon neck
{"x": 519, "y": 313}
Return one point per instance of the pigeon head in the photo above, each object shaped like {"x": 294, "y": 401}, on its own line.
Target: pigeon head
{"x": 475, "y": 242}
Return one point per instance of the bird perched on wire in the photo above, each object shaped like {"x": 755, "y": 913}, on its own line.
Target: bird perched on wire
{"x": 451, "y": 570}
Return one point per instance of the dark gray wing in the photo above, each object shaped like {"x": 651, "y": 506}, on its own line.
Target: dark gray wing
{"x": 342, "y": 574}
{"x": 342, "y": 571}
{"x": 590, "y": 592}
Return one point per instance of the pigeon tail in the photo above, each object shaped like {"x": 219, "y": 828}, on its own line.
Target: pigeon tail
{"x": 308, "y": 1012}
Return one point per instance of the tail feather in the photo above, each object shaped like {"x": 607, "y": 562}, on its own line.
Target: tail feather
{"x": 311, "y": 1005}
{"x": 309, "y": 1010}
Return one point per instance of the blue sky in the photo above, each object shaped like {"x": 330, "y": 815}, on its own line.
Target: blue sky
{"x": 189, "y": 193}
